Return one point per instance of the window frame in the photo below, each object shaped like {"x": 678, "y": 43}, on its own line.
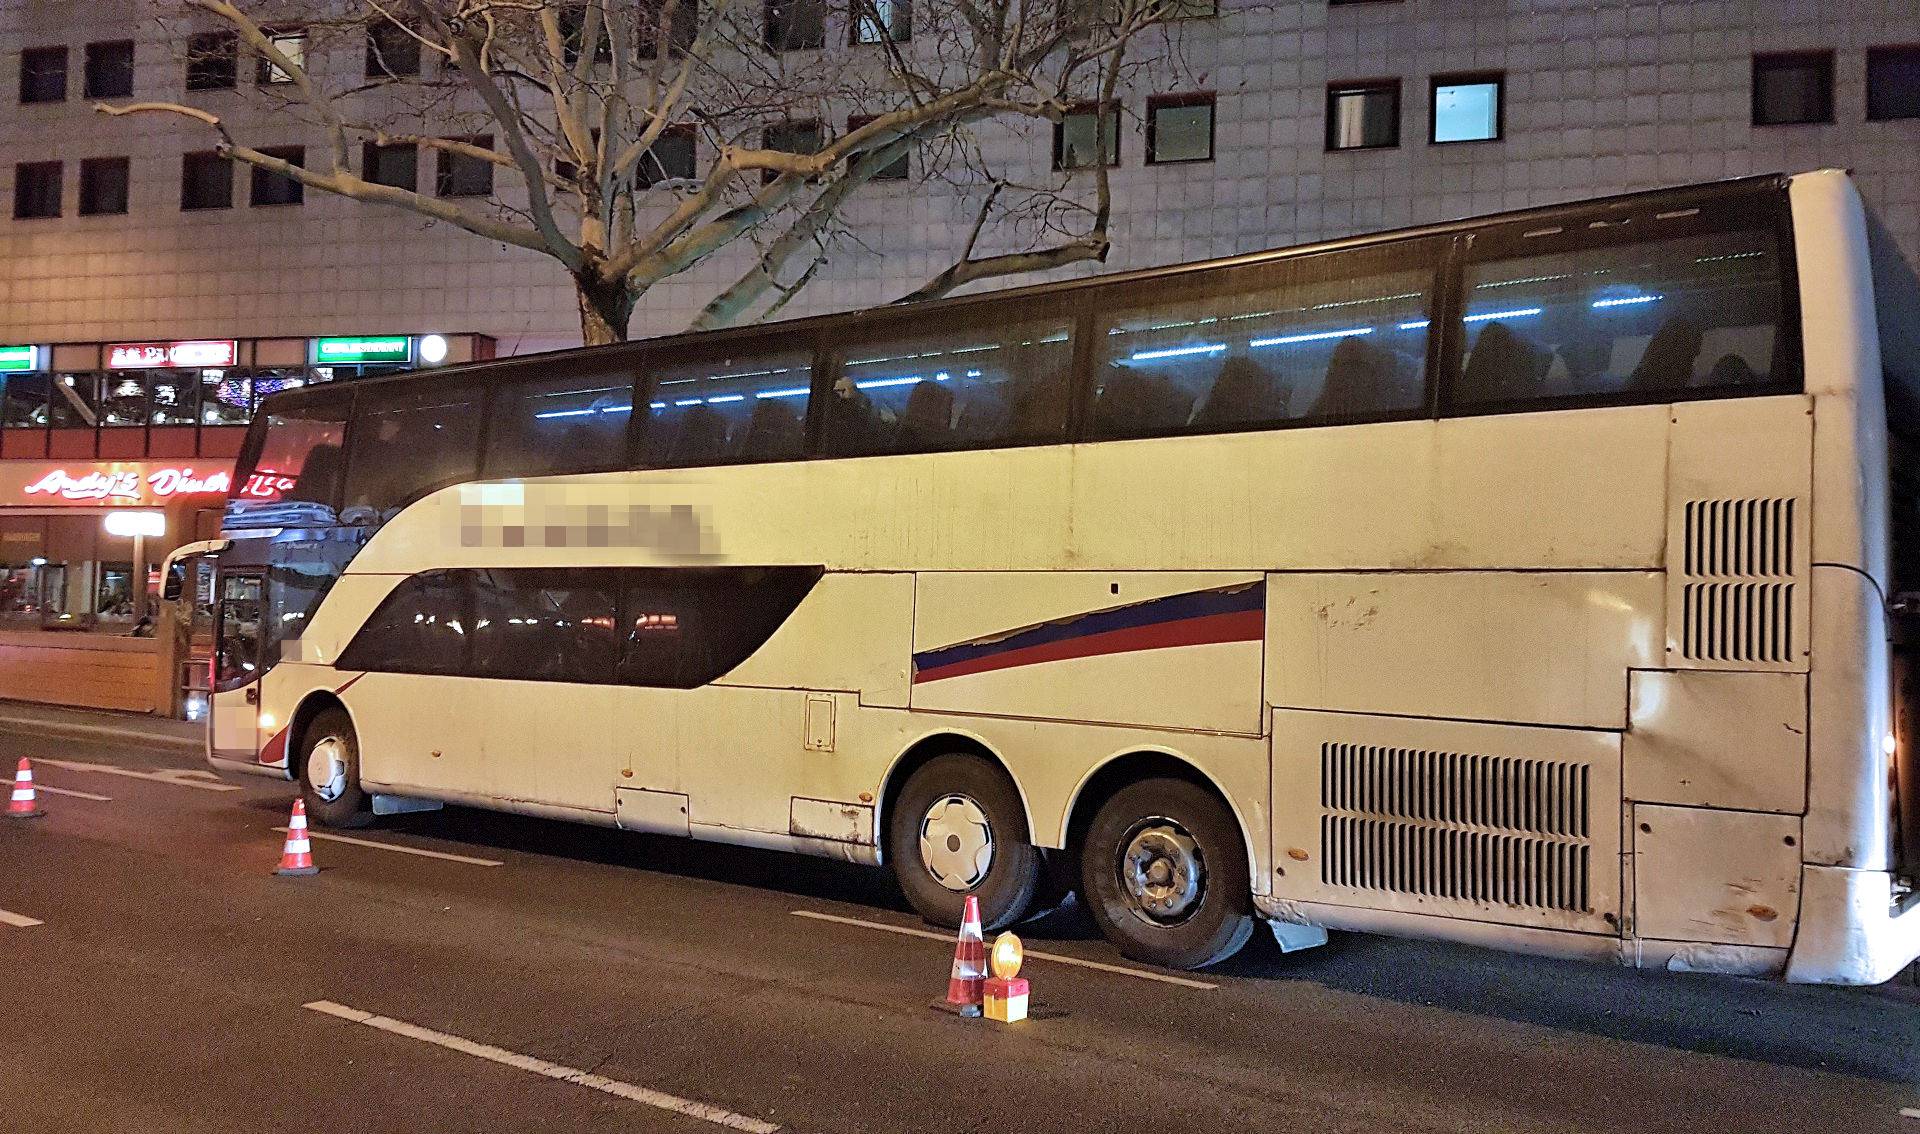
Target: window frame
{"x": 1497, "y": 79}
{"x": 1823, "y": 58}
{"x": 444, "y": 172}
{"x": 768, "y": 8}
{"x": 259, "y": 179}
{"x": 58, "y": 171}
{"x": 90, "y": 65}
{"x": 1156, "y": 103}
{"x": 1885, "y": 50}
{"x": 186, "y": 161}
{"x": 216, "y": 70}
{"x": 859, "y": 12}
{"x": 265, "y": 68}
{"x": 768, "y": 176}
{"x": 48, "y": 51}
{"x": 374, "y": 66}
{"x": 369, "y": 150}
{"x": 1391, "y": 86}
{"x": 682, "y": 130}
{"x": 1601, "y": 226}
{"x": 88, "y": 165}
{"x": 1099, "y": 113}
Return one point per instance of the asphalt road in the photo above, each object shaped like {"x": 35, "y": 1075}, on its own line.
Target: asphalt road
{"x": 597, "y": 981}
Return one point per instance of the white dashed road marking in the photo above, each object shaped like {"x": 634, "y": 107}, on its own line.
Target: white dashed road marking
{"x": 21, "y": 921}
{"x": 50, "y": 790}
{"x": 313, "y": 834}
{"x": 178, "y": 777}
{"x": 501, "y": 1055}
{"x": 1122, "y": 970}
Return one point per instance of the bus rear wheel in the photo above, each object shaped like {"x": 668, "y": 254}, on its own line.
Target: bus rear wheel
{"x": 1163, "y": 872}
{"x": 329, "y": 772}
{"x": 958, "y": 828}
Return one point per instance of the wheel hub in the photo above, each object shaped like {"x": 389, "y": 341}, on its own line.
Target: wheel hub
{"x": 1162, "y": 872}
{"x": 327, "y": 768}
{"x": 956, "y": 843}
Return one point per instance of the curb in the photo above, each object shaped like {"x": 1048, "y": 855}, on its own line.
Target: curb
{"x": 104, "y": 732}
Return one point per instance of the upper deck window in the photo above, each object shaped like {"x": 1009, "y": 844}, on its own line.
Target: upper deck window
{"x": 1632, "y": 322}
{"x": 1329, "y": 337}
{"x": 295, "y": 477}
{"x": 405, "y": 445}
{"x": 553, "y": 426}
{"x": 726, "y": 409}
{"x": 960, "y": 389}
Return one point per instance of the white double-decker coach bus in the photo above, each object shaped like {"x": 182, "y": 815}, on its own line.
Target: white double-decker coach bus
{"x": 1533, "y": 581}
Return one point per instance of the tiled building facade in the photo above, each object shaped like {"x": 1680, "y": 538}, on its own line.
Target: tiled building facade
{"x": 1595, "y": 96}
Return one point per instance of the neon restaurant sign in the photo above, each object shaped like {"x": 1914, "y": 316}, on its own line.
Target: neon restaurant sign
{"x": 188, "y": 352}
{"x": 116, "y": 484}
{"x": 368, "y": 348}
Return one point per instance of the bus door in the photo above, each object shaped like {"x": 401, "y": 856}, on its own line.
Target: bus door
{"x": 235, "y": 700}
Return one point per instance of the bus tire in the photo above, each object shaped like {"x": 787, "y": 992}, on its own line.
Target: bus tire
{"x": 329, "y": 771}
{"x": 958, "y": 828}
{"x": 1163, "y": 872}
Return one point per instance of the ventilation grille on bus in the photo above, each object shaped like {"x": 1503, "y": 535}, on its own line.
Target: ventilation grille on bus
{"x": 1736, "y": 604}
{"x": 1487, "y": 829}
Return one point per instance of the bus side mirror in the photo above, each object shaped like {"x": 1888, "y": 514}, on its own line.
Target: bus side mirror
{"x": 175, "y": 583}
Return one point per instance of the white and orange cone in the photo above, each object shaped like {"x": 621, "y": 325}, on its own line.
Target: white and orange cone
{"x": 296, "y": 858}
{"x": 24, "y": 804}
{"x": 969, "y": 964}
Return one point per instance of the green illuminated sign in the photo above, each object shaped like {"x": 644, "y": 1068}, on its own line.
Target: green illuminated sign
{"x": 371, "y": 348}
{"x": 14, "y": 359}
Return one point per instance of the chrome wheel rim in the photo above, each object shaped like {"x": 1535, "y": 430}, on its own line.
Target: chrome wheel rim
{"x": 327, "y": 768}
{"x": 956, "y": 843}
{"x": 1163, "y": 875}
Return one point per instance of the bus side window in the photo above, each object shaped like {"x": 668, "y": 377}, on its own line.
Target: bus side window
{"x": 1324, "y": 337}
{"x": 554, "y": 426}
{"x": 421, "y": 627}
{"x": 1004, "y": 382}
{"x": 710, "y": 412}
{"x": 1637, "y": 321}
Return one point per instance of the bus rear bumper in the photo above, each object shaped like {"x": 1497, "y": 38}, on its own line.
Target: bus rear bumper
{"x": 1854, "y": 928}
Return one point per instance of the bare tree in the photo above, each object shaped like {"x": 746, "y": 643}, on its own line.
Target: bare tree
{"x": 589, "y": 111}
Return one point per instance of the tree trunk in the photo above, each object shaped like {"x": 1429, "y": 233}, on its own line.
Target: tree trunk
{"x": 605, "y": 310}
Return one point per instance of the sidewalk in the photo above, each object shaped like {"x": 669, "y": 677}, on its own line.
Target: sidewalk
{"x": 134, "y": 728}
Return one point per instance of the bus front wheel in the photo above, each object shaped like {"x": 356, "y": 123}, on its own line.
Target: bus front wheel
{"x": 330, "y": 772}
{"x": 1164, "y": 874}
{"x": 958, "y": 828}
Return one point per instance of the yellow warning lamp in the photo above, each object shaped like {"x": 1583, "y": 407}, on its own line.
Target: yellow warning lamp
{"x": 1007, "y": 955}
{"x": 1004, "y": 994}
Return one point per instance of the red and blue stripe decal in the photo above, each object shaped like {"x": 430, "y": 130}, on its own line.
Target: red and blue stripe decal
{"x": 1196, "y": 618}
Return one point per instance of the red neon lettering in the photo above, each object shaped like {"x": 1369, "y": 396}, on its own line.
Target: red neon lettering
{"x": 93, "y": 486}
{"x": 182, "y": 482}
{"x": 266, "y": 486}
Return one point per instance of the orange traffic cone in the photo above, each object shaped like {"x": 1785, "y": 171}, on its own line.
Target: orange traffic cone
{"x": 296, "y": 858}
{"x": 969, "y": 964}
{"x": 24, "y": 804}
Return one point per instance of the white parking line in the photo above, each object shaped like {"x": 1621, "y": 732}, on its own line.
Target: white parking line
{"x": 501, "y": 1055}
{"x": 1910, "y": 1112}
{"x": 178, "y": 777}
{"x": 313, "y": 834}
{"x": 20, "y": 920}
{"x": 1122, "y": 970}
{"x": 51, "y": 790}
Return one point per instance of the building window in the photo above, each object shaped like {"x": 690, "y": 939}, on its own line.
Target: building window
{"x": 206, "y": 181}
{"x": 103, "y": 186}
{"x": 43, "y": 74}
{"x": 392, "y": 50}
{"x": 270, "y": 188}
{"x": 573, "y": 31}
{"x": 213, "y": 61}
{"x": 896, "y": 170}
{"x": 396, "y": 165}
{"x": 1893, "y": 83}
{"x": 1793, "y": 89}
{"x": 1363, "y": 116}
{"x": 877, "y": 21}
{"x": 796, "y": 25}
{"x": 293, "y": 45}
{"x": 1467, "y": 108}
{"x": 1179, "y": 128}
{"x": 109, "y": 69}
{"x": 791, "y": 138}
{"x": 680, "y": 19}
{"x": 1192, "y": 9}
{"x": 1078, "y": 137}
{"x": 36, "y": 190}
{"x": 464, "y": 175}
{"x": 670, "y": 158}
